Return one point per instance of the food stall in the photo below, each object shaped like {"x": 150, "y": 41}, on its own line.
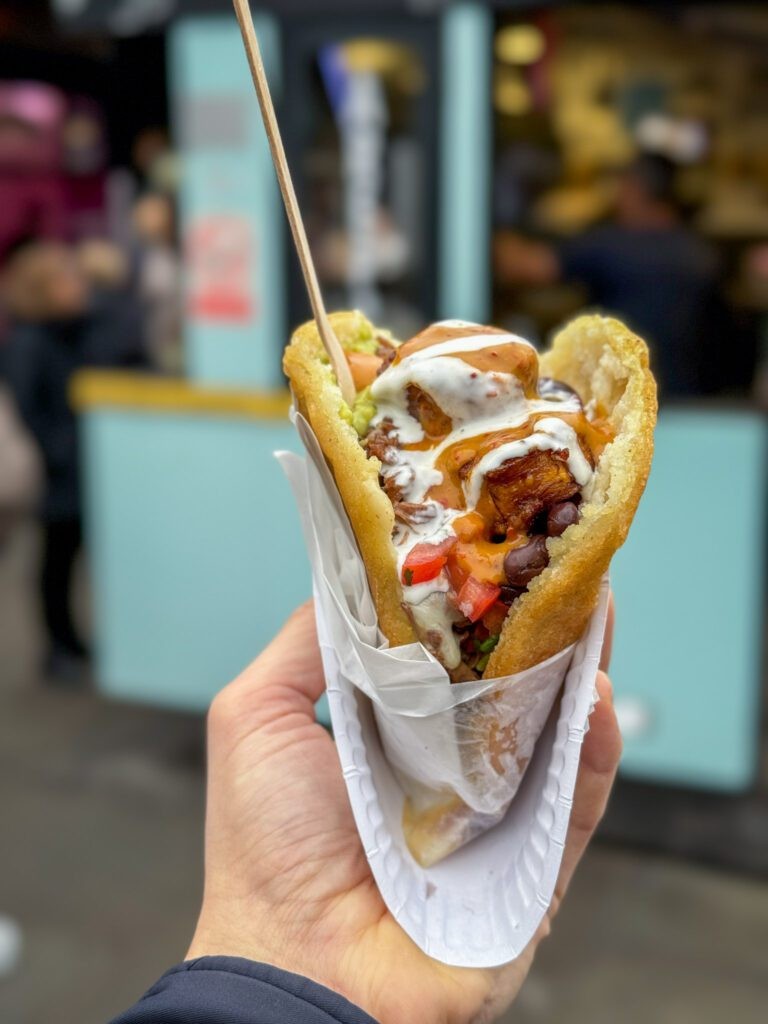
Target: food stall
{"x": 195, "y": 547}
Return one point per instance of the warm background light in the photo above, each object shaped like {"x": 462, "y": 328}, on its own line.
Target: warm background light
{"x": 511, "y": 95}
{"x": 392, "y": 61}
{"x": 519, "y": 44}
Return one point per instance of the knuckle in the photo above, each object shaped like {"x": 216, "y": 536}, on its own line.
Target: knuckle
{"x": 224, "y": 709}
{"x": 544, "y": 930}
{"x": 300, "y": 616}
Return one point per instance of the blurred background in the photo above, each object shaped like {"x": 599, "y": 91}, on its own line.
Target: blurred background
{"x": 502, "y": 162}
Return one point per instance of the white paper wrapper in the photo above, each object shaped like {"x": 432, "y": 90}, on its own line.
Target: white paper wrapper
{"x": 481, "y": 905}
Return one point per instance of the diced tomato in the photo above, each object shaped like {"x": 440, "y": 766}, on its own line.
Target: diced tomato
{"x": 456, "y": 572}
{"x": 424, "y": 561}
{"x": 494, "y": 618}
{"x": 475, "y": 598}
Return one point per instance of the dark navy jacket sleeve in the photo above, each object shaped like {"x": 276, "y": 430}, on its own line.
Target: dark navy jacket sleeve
{"x": 229, "y": 990}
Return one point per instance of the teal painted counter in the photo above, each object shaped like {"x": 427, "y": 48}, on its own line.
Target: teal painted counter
{"x": 196, "y": 552}
{"x": 690, "y": 604}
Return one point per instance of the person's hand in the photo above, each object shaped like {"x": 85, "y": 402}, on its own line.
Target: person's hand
{"x": 523, "y": 261}
{"x": 286, "y": 878}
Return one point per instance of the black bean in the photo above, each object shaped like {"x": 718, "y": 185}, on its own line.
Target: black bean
{"x": 521, "y": 565}
{"x": 560, "y": 517}
{"x": 510, "y": 594}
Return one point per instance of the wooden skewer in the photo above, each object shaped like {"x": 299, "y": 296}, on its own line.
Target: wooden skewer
{"x": 329, "y": 339}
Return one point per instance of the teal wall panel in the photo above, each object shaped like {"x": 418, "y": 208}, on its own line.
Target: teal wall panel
{"x": 196, "y": 552}
{"x": 689, "y": 588}
{"x": 466, "y": 146}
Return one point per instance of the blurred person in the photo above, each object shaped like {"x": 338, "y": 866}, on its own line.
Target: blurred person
{"x": 56, "y": 329}
{"x": 20, "y": 469}
{"x": 104, "y": 264}
{"x": 84, "y": 167}
{"x": 32, "y": 201}
{"x": 113, "y": 294}
{"x": 154, "y": 161}
{"x": 158, "y": 273}
{"x": 644, "y": 265}
{"x": 153, "y": 168}
{"x": 522, "y": 173}
{"x": 292, "y": 927}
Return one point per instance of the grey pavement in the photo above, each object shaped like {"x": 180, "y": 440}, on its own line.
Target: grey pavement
{"x": 101, "y": 867}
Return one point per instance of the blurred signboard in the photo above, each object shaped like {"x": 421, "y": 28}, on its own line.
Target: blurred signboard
{"x": 230, "y": 212}
{"x": 219, "y": 256}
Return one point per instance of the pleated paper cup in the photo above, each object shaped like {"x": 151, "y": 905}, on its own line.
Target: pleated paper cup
{"x": 402, "y": 729}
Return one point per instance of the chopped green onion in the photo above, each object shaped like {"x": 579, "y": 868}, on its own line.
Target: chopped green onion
{"x": 483, "y": 662}
{"x": 487, "y": 645}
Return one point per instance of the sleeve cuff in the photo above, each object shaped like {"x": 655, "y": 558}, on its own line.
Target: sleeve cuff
{"x": 231, "y": 990}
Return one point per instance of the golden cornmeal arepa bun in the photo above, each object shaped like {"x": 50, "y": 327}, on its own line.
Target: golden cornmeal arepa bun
{"x": 370, "y": 511}
{"x": 605, "y": 363}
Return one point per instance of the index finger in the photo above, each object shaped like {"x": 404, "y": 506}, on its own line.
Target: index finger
{"x": 600, "y": 754}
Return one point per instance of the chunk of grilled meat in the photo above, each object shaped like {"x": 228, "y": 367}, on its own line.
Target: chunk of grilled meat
{"x": 415, "y": 513}
{"x": 379, "y": 443}
{"x": 386, "y": 353}
{"x": 522, "y": 488}
{"x": 463, "y": 674}
{"x": 432, "y": 418}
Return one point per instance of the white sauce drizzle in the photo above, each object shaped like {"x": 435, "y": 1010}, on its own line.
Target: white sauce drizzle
{"x": 463, "y": 343}
{"x": 478, "y": 403}
{"x": 550, "y": 435}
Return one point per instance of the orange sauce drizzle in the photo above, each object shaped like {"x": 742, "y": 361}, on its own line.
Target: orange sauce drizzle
{"x": 593, "y": 437}
{"x": 476, "y": 553}
{"x": 509, "y": 357}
